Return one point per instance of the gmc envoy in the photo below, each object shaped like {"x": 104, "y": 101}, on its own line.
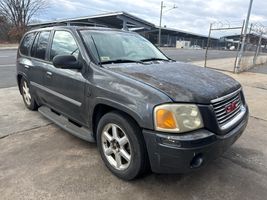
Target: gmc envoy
{"x": 144, "y": 110}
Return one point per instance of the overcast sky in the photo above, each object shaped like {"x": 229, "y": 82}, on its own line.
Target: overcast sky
{"x": 191, "y": 15}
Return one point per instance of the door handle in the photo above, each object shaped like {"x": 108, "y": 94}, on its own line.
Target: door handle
{"x": 26, "y": 66}
{"x": 49, "y": 74}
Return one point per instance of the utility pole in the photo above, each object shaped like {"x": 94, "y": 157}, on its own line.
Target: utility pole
{"x": 244, "y": 37}
{"x": 160, "y": 19}
{"x": 208, "y": 44}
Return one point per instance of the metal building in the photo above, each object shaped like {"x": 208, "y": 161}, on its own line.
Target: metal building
{"x": 126, "y": 21}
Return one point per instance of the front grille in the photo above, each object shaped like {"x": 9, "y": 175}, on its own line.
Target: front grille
{"x": 223, "y": 110}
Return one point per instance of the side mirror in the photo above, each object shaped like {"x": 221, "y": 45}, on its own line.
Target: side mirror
{"x": 66, "y": 62}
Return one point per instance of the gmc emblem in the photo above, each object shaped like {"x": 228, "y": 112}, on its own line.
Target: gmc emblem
{"x": 231, "y": 107}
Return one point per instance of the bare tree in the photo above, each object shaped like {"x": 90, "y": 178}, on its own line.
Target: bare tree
{"x": 20, "y": 12}
{"x": 4, "y": 29}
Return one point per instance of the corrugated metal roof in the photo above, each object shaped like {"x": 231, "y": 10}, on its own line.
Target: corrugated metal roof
{"x": 102, "y": 15}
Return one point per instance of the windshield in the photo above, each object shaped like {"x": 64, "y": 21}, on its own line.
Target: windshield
{"x": 118, "y": 47}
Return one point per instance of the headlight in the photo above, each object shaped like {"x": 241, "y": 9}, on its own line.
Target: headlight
{"x": 177, "y": 118}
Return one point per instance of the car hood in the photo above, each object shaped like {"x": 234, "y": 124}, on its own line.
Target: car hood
{"x": 182, "y": 82}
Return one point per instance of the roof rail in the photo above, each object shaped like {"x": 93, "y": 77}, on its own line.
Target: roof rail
{"x": 86, "y": 24}
{"x": 70, "y": 24}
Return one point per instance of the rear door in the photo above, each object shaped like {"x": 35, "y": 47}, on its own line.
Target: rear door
{"x": 39, "y": 63}
{"x": 66, "y": 86}
{"x": 24, "y": 62}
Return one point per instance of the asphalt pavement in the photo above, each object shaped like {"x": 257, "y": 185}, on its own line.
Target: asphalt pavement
{"x": 191, "y": 55}
{"x": 7, "y": 67}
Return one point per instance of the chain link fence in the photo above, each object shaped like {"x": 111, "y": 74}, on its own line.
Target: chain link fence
{"x": 255, "y": 49}
{"x": 183, "y": 42}
{"x": 228, "y": 47}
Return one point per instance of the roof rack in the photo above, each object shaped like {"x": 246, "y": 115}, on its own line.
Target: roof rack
{"x": 71, "y": 24}
{"x": 86, "y": 24}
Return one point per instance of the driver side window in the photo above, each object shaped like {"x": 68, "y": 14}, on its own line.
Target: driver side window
{"x": 63, "y": 44}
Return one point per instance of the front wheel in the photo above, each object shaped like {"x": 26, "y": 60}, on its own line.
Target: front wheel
{"x": 27, "y": 95}
{"x": 121, "y": 146}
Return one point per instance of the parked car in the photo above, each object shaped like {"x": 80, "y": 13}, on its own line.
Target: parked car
{"x": 196, "y": 47}
{"x": 232, "y": 48}
{"x": 144, "y": 110}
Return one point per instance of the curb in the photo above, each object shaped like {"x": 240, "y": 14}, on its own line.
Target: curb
{"x": 8, "y": 48}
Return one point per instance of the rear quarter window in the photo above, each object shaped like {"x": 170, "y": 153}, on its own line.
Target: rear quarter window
{"x": 26, "y": 44}
{"x": 40, "y": 45}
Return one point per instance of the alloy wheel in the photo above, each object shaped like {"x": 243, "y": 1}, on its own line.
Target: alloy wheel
{"x": 26, "y": 93}
{"x": 116, "y": 146}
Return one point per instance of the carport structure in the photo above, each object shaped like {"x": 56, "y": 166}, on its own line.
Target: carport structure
{"x": 252, "y": 38}
{"x": 169, "y": 36}
{"x": 126, "y": 21}
{"x": 119, "y": 20}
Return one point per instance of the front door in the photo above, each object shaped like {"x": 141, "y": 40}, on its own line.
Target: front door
{"x": 66, "y": 87}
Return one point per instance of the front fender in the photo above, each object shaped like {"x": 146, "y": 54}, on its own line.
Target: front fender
{"x": 142, "y": 120}
{"x": 125, "y": 94}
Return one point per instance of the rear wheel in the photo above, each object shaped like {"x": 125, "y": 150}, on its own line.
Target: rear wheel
{"x": 27, "y": 95}
{"x": 121, "y": 146}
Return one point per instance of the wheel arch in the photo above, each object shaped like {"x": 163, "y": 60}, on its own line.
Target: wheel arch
{"x": 102, "y": 108}
{"x": 140, "y": 137}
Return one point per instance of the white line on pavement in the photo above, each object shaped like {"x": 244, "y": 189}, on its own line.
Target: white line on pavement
{"x": 8, "y": 65}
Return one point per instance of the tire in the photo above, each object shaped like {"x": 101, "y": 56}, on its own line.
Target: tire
{"x": 27, "y": 95}
{"x": 123, "y": 153}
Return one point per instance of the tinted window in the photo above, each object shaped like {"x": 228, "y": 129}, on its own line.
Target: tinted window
{"x": 26, "y": 43}
{"x": 63, "y": 44}
{"x": 41, "y": 47}
{"x": 33, "y": 49}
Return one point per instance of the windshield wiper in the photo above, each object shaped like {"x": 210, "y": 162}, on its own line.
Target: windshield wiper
{"x": 120, "y": 61}
{"x": 152, "y": 59}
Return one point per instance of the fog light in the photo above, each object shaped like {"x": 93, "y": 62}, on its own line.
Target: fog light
{"x": 197, "y": 161}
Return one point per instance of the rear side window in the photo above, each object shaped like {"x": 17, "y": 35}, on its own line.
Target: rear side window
{"x": 63, "y": 44}
{"x": 26, "y": 44}
{"x": 40, "y": 45}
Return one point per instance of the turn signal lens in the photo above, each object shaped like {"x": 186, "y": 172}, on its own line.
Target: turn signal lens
{"x": 177, "y": 118}
{"x": 165, "y": 119}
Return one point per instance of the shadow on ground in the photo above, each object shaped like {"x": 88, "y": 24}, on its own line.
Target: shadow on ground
{"x": 259, "y": 69}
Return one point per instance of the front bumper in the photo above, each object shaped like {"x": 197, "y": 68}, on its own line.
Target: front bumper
{"x": 169, "y": 153}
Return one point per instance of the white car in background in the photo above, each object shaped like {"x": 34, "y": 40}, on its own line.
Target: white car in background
{"x": 232, "y": 48}
{"x": 197, "y": 47}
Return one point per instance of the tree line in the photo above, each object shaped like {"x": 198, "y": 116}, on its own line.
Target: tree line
{"x": 15, "y": 15}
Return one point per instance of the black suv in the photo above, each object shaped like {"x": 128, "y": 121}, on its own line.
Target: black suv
{"x": 144, "y": 110}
